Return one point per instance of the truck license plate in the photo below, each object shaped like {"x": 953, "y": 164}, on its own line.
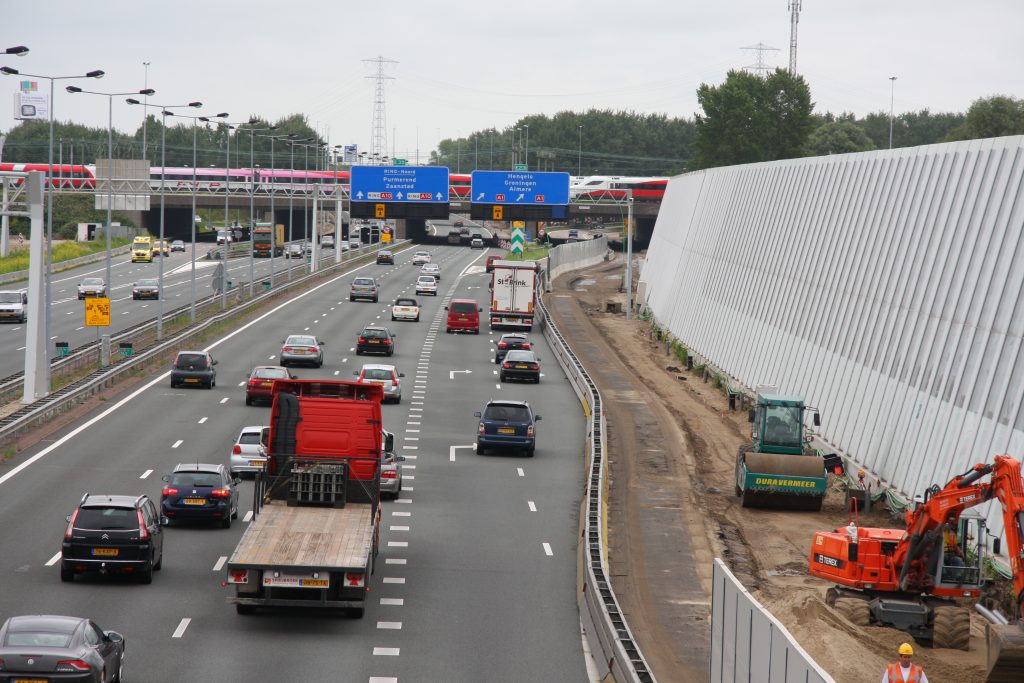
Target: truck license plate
{"x": 295, "y": 581}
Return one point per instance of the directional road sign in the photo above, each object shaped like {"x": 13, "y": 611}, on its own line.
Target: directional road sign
{"x": 518, "y": 187}
{"x": 518, "y": 240}
{"x": 400, "y": 184}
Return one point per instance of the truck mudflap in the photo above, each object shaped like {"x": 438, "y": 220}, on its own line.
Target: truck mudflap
{"x": 790, "y": 482}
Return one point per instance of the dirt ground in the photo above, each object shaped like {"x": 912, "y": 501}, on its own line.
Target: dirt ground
{"x": 766, "y": 549}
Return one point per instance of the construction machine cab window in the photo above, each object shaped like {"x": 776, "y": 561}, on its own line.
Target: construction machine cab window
{"x": 783, "y": 426}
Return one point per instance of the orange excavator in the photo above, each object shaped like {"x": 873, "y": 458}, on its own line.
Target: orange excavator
{"x": 911, "y": 578}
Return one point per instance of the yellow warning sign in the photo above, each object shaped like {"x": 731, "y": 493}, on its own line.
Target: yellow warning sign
{"x": 97, "y": 312}
{"x": 497, "y": 212}
{"x": 380, "y": 210}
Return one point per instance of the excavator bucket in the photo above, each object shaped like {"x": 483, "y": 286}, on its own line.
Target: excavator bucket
{"x": 1005, "y": 653}
{"x": 790, "y": 482}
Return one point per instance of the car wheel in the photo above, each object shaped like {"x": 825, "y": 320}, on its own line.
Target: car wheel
{"x": 209, "y": 385}
{"x": 374, "y": 299}
{"x": 398, "y": 400}
{"x": 248, "y": 401}
{"x": 501, "y": 377}
{"x": 213, "y": 383}
{"x": 537, "y": 381}
{"x": 359, "y": 352}
{"x": 529, "y": 452}
{"x": 146, "y": 575}
{"x": 159, "y": 563}
{"x": 479, "y": 449}
{"x": 391, "y": 352}
{"x": 350, "y": 299}
{"x": 234, "y": 515}
{"x": 393, "y": 318}
{"x": 173, "y": 384}
{"x": 120, "y": 670}
{"x": 225, "y": 522}
{"x": 67, "y": 574}
{"x": 417, "y": 319}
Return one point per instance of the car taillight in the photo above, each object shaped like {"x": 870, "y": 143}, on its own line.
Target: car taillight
{"x": 287, "y": 349}
{"x": 388, "y": 474}
{"x": 506, "y": 365}
{"x": 169, "y": 491}
{"x": 387, "y": 341}
{"x": 529, "y": 430}
{"x": 71, "y": 524}
{"x": 526, "y": 346}
{"x": 66, "y": 665}
{"x": 237, "y": 450}
{"x": 480, "y": 429}
{"x": 143, "y": 531}
{"x": 502, "y": 345}
{"x": 220, "y": 493}
{"x": 394, "y": 379}
{"x": 253, "y": 382}
{"x": 361, "y": 340}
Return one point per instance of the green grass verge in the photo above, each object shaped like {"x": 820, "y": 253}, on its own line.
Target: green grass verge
{"x": 530, "y": 253}
{"x": 65, "y": 251}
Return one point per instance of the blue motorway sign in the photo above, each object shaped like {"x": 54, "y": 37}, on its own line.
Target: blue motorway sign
{"x": 399, "y": 184}
{"x": 519, "y": 187}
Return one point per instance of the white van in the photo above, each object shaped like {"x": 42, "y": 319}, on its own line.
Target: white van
{"x": 14, "y": 305}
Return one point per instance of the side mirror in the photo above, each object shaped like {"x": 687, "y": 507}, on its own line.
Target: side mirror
{"x": 478, "y": 414}
{"x": 446, "y": 308}
{"x": 817, "y": 419}
{"x": 166, "y": 478}
{"x": 537, "y": 418}
{"x": 290, "y": 376}
{"x": 67, "y": 518}
{"x": 164, "y": 521}
{"x": 750, "y": 416}
{"x": 401, "y": 458}
{"x": 236, "y": 481}
{"x": 479, "y": 309}
{"x": 113, "y": 637}
{"x": 356, "y": 373}
{"x": 401, "y": 374}
{"x": 214, "y": 362}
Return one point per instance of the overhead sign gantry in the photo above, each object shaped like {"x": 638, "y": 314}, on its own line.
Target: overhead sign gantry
{"x": 518, "y": 195}
{"x": 399, "y": 192}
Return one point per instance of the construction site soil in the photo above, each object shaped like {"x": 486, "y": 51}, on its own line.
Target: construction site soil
{"x": 672, "y": 509}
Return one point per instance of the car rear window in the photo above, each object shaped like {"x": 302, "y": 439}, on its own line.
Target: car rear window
{"x": 376, "y": 334}
{"x": 463, "y": 307}
{"x": 191, "y": 479}
{"x": 405, "y": 302}
{"x": 270, "y": 373}
{"x": 10, "y": 298}
{"x": 364, "y": 281}
{"x": 37, "y": 639}
{"x": 249, "y": 437}
{"x": 426, "y": 279}
{"x": 191, "y": 361}
{"x": 107, "y": 518}
{"x": 377, "y": 373}
{"x": 300, "y": 341}
{"x": 513, "y": 356}
{"x": 507, "y": 413}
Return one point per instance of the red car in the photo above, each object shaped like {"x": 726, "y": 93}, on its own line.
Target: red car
{"x": 260, "y": 386}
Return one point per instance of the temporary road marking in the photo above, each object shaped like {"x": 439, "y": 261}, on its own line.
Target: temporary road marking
{"x": 54, "y": 560}
{"x": 177, "y": 443}
{"x": 180, "y": 631}
{"x": 547, "y": 549}
{"x": 145, "y": 474}
{"x": 394, "y": 579}
{"x": 220, "y": 563}
{"x": 390, "y": 560}
{"x": 398, "y": 544}
{"x": 387, "y": 652}
{"x": 398, "y": 528}
{"x": 533, "y": 506}
{"x": 520, "y": 471}
{"x": 248, "y": 516}
{"x": 393, "y": 625}
{"x": 224, "y": 400}
{"x": 397, "y": 602}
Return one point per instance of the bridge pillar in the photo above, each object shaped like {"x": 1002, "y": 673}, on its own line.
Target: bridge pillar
{"x": 410, "y": 228}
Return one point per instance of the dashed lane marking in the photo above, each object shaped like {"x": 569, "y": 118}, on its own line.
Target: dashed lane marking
{"x": 145, "y": 474}
{"x": 390, "y": 560}
{"x": 248, "y": 516}
{"x": 520, "y": 471}
{"x": 398, "y": 544}
{"x": 53, "y": 560}
{"x": 533, "y": 506}
{"x": 394, "y": 602}
{"x": 390, "y": 625}
{"x": 394, "y": 579}
{"x": 177, "y": 443}
{"x": 202, "y": 420}
{"x": 220, "y": 563}
{"x": 180, "y": 631}
{"x": 224, "y": 400}
{"x": 547, "y": 549}
{"x": 386, "y": 652}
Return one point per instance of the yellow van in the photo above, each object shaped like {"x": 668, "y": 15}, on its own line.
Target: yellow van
{"x": 142, "y": 249}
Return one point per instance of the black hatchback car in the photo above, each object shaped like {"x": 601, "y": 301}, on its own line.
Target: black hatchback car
{"x": 375, "y": 339}
{"x": 47, "y": 647}
{"x": 194, "y": 368}
{"x": 113, "y": 535}
{"x": 385, "y": 257}
{"x": 507, "y": 425}
{"x": 200, "y": 491}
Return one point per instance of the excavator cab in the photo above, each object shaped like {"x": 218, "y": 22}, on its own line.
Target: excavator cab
{"x": 960, "y": 556}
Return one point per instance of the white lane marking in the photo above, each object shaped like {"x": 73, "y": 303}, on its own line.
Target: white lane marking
{"x": 419, "y": 410}
{"x": 20, "y": 348}
{"x": 398, "y": 528}
{"x": 352, "y": 349}
{"x": 386, "y": 652}
{"x": 392, "y": 625}
{"x": 390, "y": 560}
{"x": 248, "y": 516}
{"x": 452, "y": 449}
{"x": 411, "y": 438}
{"x": 412, "y": 431}
{"x": 145, "y": 474}
{"x": 394, "y": 579}
{"x": 241, "y": 384}
{"x": 413, "y": 423}
{"x": 337, "y": 372}
{"x": 224, "y": 400}
{"x": 272, "y": 357}
{"x": 408, "y": 476}
{"x": 494, "y": 371}
{"x": 398, "y": 513}
{"x": 520, "y": 471}
{"x": 344, "y": 360}
{"x": 305, "y": 329}
{"x": 547, "y": 549}
{"x": 411, "y": 457}
{"x": 407, "y": 447}
{"x": 409, "y": 488}
{"x": 498, "y": 386}
{"x": 78, "y": 329}
{"x": 177, "y": 443}
{"x": 180, "y": 631}
{"x": 398, "y": 544}
{"x": 383, "y": 679}
{"x": 53, "y": 560}
{"x": 396, "y": 602}
{"x": 404, "y": 501}
{"x": 220, "y": 563}
{"x": 533, "y": 506}
{"x": 203, "y": 420}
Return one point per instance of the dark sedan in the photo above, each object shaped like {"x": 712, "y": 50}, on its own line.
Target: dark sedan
{"x": 200, "y": 491}
{"x": 194, "y": 368}
{"x": 146, "y": 289}
{"x": 40, "y": 647}
{"x": 375, "y": 339}
{"x": 522, "y": 365}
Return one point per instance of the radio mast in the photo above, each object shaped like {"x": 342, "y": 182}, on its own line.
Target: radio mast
{"x": 794, "y": 20}
{"x": 379, "y": 130}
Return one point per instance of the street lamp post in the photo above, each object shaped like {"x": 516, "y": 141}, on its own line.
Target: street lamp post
{"x": 195, "y": 181}
{"x": 273, "y": 191}
{"x": 579, "y": 158}
{"x": 145, "y": 113}
{"x": 110, "y": 155}
{"x": 252, "y": 202}
{"x": 892, "y": 100}
{"x": 164, "y": 113}
{"x": 227, "y": 198}
{"x": 8, "y": 71}
{"x": 526, "y": 155}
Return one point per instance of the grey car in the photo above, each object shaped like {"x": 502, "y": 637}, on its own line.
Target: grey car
{"x": 302, "y": 348}
{"x": 431, "y": 269}
{"x": 148, "y": 288}
{"x": 363, "y": 288}
{"x": 92, "y": 286}
{"x": 389, "y": 379}
{"x": 39, "y": 647}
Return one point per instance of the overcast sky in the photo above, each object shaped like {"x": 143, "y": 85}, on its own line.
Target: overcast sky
{"x": 464, "y": 66}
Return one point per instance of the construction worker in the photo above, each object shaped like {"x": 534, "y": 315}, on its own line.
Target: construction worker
{"x": 904, "y": 671}
{"x": 952, "y": 556}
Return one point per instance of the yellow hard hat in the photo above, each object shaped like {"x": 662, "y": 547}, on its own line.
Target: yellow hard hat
{"x": 905, "y": 649}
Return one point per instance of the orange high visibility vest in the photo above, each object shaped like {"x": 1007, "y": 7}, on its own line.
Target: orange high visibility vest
{"x": 896, "y": 674}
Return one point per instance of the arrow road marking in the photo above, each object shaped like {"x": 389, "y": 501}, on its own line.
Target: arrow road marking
{"x": 451, "y": 375}
{"x": 451, "y": 451}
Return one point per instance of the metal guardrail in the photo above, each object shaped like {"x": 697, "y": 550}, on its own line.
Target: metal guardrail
{"x": 610, "y": 639}
{"x": 142, "y": 334}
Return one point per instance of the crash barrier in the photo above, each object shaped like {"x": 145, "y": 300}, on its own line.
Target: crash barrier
{"x": 144, "y": 350}
{"x": 613, "y": 648}
{"x": 64, "y": 265}
{"x": 575, "y": 255}
{"x": 881, "y": 286}
{"x": 748, "y": 644}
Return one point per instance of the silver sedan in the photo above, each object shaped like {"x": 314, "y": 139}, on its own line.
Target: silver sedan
{"x": 302, "y": 348}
